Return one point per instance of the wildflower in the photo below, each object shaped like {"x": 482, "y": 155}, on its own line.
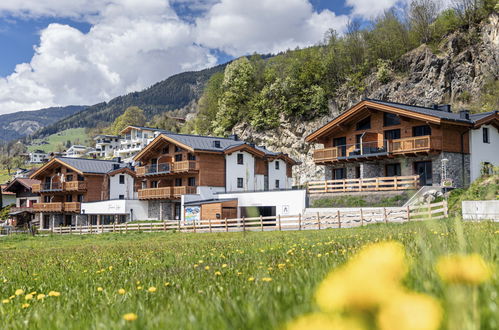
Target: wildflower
{"x": 322, "y": 321}
{"x": 347, "y": 287}
{"x": 207, "y": 268}
{"x": 40, "y": 296}
{"x": 410, "y": 311}
{"x": 464, "y": 269}
{"x": 122, "y": 291}
{"x": 25, "y": 305}
{"x": 28, "y": 296}
{"x": 281, "y": 266}
{"x": 151, "y": 289}
{"x": 54, "y": 294}
{"x": 319, "y": 255}
{"x": 217, "y": 273}
{"x": 32, "y": 293}
{"x": 267, "y": 279}
{"x": 110, "y": 267}
{"x": 130, "y": 317}
{"x": 5, "y": 301}
{"x": 251, "y": 279}
{"x": 270, "y": 268}
{"x": 138, "y": 282}
{"x": 224, "y": 265}
{"x": 167, "y": 283}
{"x": 100, "y": 289}
{"x": 239, "y": 273}
{"x": 19, "y": 292}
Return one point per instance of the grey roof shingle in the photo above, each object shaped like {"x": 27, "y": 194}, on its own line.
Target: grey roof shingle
{"x": 92, "y": 165}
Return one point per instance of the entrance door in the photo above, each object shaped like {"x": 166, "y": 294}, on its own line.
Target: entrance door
{"x": 424, "y": 170}
{"x": 177, "y": 211}
{"x": 67, "y": 220}
{"x": 342, "y": 143}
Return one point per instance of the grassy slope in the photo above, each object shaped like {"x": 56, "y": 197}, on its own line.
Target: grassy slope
{"x": 484, "y": 188}
{"x": 196, "y": 298}
{"x": 75, "y": 135}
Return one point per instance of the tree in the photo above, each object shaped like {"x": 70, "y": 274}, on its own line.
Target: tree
{"x": 208, "y": 104}
{"x": 132, "y": 116}
{"x": 422, "y": 13}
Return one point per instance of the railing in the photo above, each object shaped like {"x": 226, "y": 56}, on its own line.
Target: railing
{"x": 21, "y": 209}
{"x": 75, "y": 185}
{"x": 365, "y": 184}
{"x": 48, "y": 207}
{"x": 375, "y": 148}
{"x": 160, "y": 168}
{"x": 183, "y": 190}
{"x": 72, "y": 207}
{"x": 184, "y": 166}
{"x": 322, "y": 219}
{"x": 59, "y": 186}
{"x": 156, "y": 193}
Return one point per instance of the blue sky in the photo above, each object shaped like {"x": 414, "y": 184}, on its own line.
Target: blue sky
{"x": 89, "y": 51}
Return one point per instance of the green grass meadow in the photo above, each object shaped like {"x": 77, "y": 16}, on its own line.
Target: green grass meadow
{"x": 75, "y": 135}
{"x": 218, "y": 281}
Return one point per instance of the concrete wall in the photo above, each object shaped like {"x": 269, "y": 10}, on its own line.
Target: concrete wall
{"x": 483, "y": 152}
{"x": 279, "y": 174}
{"x": 480, "y": 210}
{"x": 120, "y": 206}
{"x": 116, "y": 189}
{"x": 235, "y": 170}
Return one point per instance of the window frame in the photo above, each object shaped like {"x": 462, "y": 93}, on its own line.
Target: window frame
{"x": 388, "y": 116}
{"x": 363, "y": 125}
{"x": 240, "y": 183}
{"x": 485, "y": 135}
{"x": 121, "y": 179}
{"x": 277, "y": 165}
{"x": 277, "y": 184}
{"x": 240, "y": 159}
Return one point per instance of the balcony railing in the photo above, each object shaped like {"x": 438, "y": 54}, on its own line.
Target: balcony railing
{"x": 48, "y": 207}
{"x": 59, "y": 186}
{"x": 184, "y": 166}
{"x": 156, "y": 193}
{"x": 365, "y": 184}
{"x": 72, "y": 207}
{"x": 21, "y": 209}
{"x": 183, "y": 190}
{"x": 166, "y": 168}
{"x": 378, "y": 149}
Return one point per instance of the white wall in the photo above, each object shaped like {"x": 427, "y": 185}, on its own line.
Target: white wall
{"x": 123, "y": 206}
{"x": 235, "y": 170}
{"x": 116, "y": 189}
{"x": 480, "y": 210}
{"x": 289, "y": 202}
{"x": 280, "y": 174}
{"x": 483, "y": 152}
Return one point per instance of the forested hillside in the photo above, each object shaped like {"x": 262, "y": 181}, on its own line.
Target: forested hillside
{"x": 17, "y": 125}
{"x": 173, "y": 93}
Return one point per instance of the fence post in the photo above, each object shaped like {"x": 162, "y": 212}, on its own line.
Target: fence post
{"x": 244, "y": 224}
{"x": 80, "y": 229}
{"x": 164, "y": 225}
{"x": 90, "y": 227}
{"x": 226, "y": 227}
{"x": 60, "y": 230}
{"x": 339, "y": 218}
{"x": 126, "y": 227}
{"x": 209, "y": 223}
{"x": 446, "y": 214}
{"x": 279, "y": 221}
{"x": 101, "y": 228}
{"x": 429, "y": 211}
{"x": 384, "y": 215}
{"x": 70, "y": 230}
{"x": 408, "y": 213}
{"x": 138, "y": 226}
{"x": 361, "y": 217}
{"x": 194, "y": 225}
{"x": 299, "y": 221}
{"x": 114, "y": 226}
{"x": 179, "y": 225}
{"x": 318, "y": 221}
{"x": 261, "y": 223}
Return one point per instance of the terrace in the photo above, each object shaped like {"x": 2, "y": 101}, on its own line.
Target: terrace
{"x": 166, "y": 192}
{"x": 167, "y": 168}
{"x": 57, "y": 207}
{"x": 59, "y": 186}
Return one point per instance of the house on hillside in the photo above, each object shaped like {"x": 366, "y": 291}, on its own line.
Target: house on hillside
{"x": 77, "y": 151}
{"x": 379, "y": 139}
{"x": 37, "y": 157}
{"x": 134, "y": 139}
{"x": 105, "y": 145}
{"x": 176, "y": 169}
{"x": 66, "y": 183}
{"x": 25, "y": 199}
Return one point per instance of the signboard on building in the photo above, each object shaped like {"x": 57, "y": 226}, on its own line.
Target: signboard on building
{"x": 192, "y": 213}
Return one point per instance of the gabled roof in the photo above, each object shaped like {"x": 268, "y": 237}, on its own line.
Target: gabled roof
{"x": 417, "y": 112}
{"x": 82, "y": 165}
{"x": 27, "y": 183}
{"x": 485, "y": 118}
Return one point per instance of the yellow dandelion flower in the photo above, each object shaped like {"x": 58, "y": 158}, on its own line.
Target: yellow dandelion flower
{"x": 251, "y": 279}
{"x": 100, "y": 289}
{"x": 25, "y": 305}
{"x": 410, "y": 311}
{"x": 320, "y": 321}
{"x": 224, "y": 265}
{"x": 130, "y": 317}
{"x": 12, "y": 297}
{"x": 54, "y": 294}
{"x": 110, "y": 267}
{"x": 207, "y": 268}
{"x": 281, "y": 266}
{"x": 217, "y": 273}
{"x": 28, "y": 296}
{"x": 33, "y": 293}
{"x": 122, "y": 291}
{"x": 239, "y": 273}
{"x": 5, "y": 301}
{"x": 19, "y": 292}
{"x": 196, "y": 265}
{"x": 152, "y": 289}
{"x": 464, "y": 269}
{"x": 40, "y": 296}
{"x": 319, "y": 255}
{"x": 267, "y": 279}
{"x": 167, "y": 283}
{"x": 138, "y": 282}
{"x": 270, "y": 268}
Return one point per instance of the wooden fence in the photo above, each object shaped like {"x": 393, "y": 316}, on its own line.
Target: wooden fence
{"x": 346, "y": 218}
{"x": 366, "y": 184}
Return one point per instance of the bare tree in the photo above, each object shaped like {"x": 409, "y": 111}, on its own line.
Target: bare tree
{"x": 422, "y": 13}
{"x": 467, "y": 10}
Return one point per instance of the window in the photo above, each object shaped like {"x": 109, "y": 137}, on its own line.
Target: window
{"x": 485, "y": 131}
{"x": 165, "y": 150}
{"x": 154, "y": 184}
{"x": 144, "y": 184}
{"x": 390, "y": 119}
{"x": 240, "y": 159}
{"x": 421, "y": 130}
{"x": 178, "y": 182}
{"x": 364, "y": 124}
{"x": 392, "y": 134}
{"x": 46, "y": 199}
{"x": 191, "y": 157}
{"x": 357, "y": 172}
{"x": 178, "y": 149}
{"x": 69, "y": 198}
{"x": 392, "y": 169}
{"x": 339, "y": 174}
{"x": 191, "y": 182}
{"x": 216, "y": 144}
{"x": 276, "y": 184}
{"x": 80, "y": 198}
{"x": 121, "y": 196}
{"x": 240, "y": 183}
{"x": 178, "y": 158}
{"x": 122, "y": 179}
{"x": 277, "y": 164}
{"x": 68, "y": 170}
{"x": 69, "y": 178}
{"x": 80, "y": 178}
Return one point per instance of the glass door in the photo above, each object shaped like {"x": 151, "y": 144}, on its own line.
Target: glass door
{"x": 424, "y": 170}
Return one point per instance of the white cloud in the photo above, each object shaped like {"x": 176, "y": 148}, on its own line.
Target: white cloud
{"x": 266, "y": 26}
{"x": 369, "y": 8}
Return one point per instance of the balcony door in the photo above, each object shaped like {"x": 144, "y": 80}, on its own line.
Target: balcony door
{"x": 424, "y": 170}
{"x": 342, "y": 143}
{"x": 154, "y": 165}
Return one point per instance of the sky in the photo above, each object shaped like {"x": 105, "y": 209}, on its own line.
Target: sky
{"x": 60, "y": 52}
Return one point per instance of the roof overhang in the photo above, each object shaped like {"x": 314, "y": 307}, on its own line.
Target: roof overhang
{"x": 245, "y": 147}
{"x": 122, "y": 170}
{"x": 50, "y": 164}
{"x": 492, "y": 119}
{"x": 158, "y": 140}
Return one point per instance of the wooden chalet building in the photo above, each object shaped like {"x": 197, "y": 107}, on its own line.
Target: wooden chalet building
{"x": 23, "y": 213}
{"x": 65, "y": 183}
{"x": 175, "y": 167}
{"x": 385, "y": 139}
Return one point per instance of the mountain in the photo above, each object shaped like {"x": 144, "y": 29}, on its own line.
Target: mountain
{"x": 17, "y": 125}
{"x": 173, "y": 93}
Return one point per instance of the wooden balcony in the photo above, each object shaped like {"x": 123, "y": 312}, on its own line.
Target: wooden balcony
{"x": 72, "y": 207}
{"x": 48, "y": 207}
{"x": 75, "y": 186}
{"x": 391, "y": 183}
{"x": 59, "y": 187}
{"x": 156, "y": 193}
{"x": 184, "y": 166}
{"x": 378, "y": 150}
{"x": 183, "y": 190}
{"x": 16, "y": 209}
{"x": 167, "y": 168}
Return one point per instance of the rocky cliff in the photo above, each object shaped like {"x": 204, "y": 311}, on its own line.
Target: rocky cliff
{"x": 454, "y": 73}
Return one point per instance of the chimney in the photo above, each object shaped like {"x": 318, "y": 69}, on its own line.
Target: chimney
{"x": 464, "y": 114}
{"x": 445, "y": 108}
{"x": 234, "y": 137}
{"x": 116, "y": 166}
